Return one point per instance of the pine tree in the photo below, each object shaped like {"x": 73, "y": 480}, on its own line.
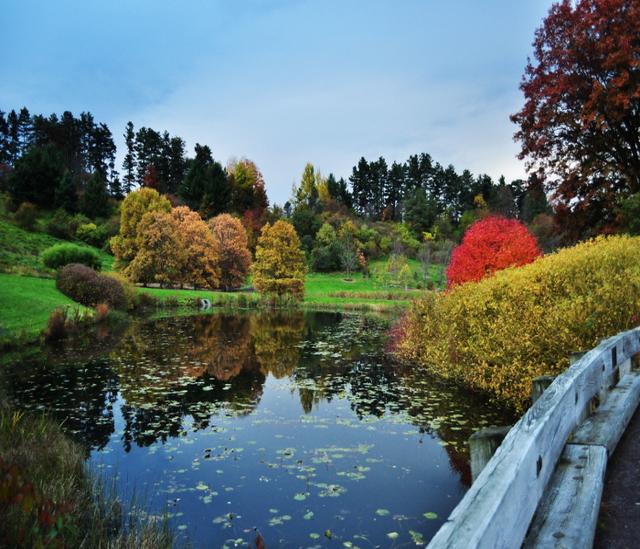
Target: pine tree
{"x": 4, "y": 140}
{"x": 25, "y": 131}
{"x": 95, "y": 201}
{"x": 66, "y": 195}
{"x": 393, "y": 191}
{"x": 129, "y": 162}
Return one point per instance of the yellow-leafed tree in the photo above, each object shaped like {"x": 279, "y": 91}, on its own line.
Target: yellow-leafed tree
{"x": 235, "y": 257}
{"x": 134, "y": 207}
{"x": 280, "y": 264}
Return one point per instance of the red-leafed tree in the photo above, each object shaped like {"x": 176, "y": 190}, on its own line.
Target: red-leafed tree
{"x": 580, "y": 124}
{"x": 489, "y": 245}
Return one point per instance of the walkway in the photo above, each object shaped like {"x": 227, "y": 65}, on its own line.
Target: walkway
{"x": 619, "y": 521}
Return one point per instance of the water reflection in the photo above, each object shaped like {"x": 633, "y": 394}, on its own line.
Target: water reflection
{"x": 315, "y": 381}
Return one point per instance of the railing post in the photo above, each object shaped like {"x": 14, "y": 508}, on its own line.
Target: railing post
{"x": 539, "y": 385}
{"x": 482, "y": 445}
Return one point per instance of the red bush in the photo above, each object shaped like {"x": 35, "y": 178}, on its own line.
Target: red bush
{"x": 489, "y": 245}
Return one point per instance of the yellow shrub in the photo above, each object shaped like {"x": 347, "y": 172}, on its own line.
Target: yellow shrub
{"x": 496, "y": 335}
{"x": 130, "y": 291}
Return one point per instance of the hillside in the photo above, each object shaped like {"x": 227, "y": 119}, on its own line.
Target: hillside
{"x": 20, "y": 250}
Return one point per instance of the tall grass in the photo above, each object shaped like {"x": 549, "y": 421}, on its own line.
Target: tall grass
{"x": 49, "y": 498}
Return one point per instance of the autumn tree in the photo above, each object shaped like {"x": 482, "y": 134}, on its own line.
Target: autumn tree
{"x": 491, "y": 244}
{"x": 175, "y": 247}
{"x": 133, "y": 208}
{"x": 160, "y": 255}
{"x": 200, "y": 249}
{"x": 235, "y": 257}
{"x": 280, "y": 264}
{"x": 579, "y": 123}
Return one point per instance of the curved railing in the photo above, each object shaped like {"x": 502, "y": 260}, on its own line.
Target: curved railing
{"x": 580, "y": 417}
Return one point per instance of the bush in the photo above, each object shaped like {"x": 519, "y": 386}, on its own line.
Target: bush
{"x": 26, "y": 216}
{"x": 91, "y": 234}
{"x": 131, "y": 295}
{"x": 56, "y": 326}
{"x": 60, "y": 255}
{"x": 498, "y": 334}
{"x": 489, "y": 245}
{"x": 60, "y": 225}
{"x": 86, "y": 286}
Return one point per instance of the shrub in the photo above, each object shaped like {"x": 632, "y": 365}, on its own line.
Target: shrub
{"x": 496, "y": 335}
{"x": 56, "y": 326}
{"x": 26, "y": 216}
{"x": 131, "y": 295}
{"x": 60, "y": 225}
{"x": 91, "y": 234}
{"x": 489, "y": 245}
{"x": 84, "y": 285}
{"x": 60, "y": 255}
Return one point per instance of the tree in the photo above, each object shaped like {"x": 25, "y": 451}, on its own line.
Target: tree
{"x": 235, "y": 257}
{"x": 579, "y": 123}
{"x": 200, "y": 250}
{"x": 175, "y": 247}
{"x": 247, "y": 186}
{"x": 129, "y": 162}
{"x": 133, "y": 208}
{"x": 95, "y": 202}
{"x": 66, "y": 196}
{"x": 280, "y": 264}
{"x": 36, "y": 176}
{"x": 489, "y": 245}
{"x": 159, "y": 253}
{"x": 420, "y": 211}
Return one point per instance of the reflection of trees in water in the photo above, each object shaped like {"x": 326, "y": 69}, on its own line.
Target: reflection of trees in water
{"x": 276, "y": 339}
{"x": 80, "y": 398}
{"x": 199, "y": 367}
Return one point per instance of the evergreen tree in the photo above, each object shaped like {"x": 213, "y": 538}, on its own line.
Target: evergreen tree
{"x": 360, "y": 187}
{"x": 13, "y": 142}
{"x": 393, "y": 191}
{"x": 25, "y": 131}
{"x": 344, "y": 196}
{"x": 129, "y": 162}
{"x": 115, "y": 187}
{"x": 420, "y": 212}
{"x": 66, "y": 195}
{"x": 36, "y": 176}
{"x": 216, "y": 191}
{"x": 4, "y": 139}
{"x": 177, "y": 164}
{"x": 534, "y": 201}
{"x": 501, "y": 200}
{"x": 95, "y": 201}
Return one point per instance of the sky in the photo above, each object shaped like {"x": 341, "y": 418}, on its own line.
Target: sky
{"x": 283, "y": 82}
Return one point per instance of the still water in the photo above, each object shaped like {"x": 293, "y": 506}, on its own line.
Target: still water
{"x": 294, "y": 426}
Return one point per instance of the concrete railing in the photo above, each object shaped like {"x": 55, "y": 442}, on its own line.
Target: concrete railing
{"x": 579, "y": 417}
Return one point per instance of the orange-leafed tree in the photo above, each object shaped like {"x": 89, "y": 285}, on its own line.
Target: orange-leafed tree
{"x": 579, "y": 126}
{"x": 280, "y": 264}
{"x": 124, "y": 245}
{"x": 491, "y": 244}
{"x": 201, "y": 250}
{"x": 235, "y": 257}
{"x": 175, "y": 247}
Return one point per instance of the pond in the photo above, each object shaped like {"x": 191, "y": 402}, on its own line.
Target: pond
{"x": 291, "y": 425}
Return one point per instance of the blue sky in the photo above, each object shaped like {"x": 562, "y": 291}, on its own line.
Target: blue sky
{"x": 283, "y": 82}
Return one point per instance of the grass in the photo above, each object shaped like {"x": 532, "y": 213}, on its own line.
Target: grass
{"x": 49, "y": 498}
{"x": 322, "y": 291}
{"x": 26, "y": 304}
{"x": 20, "y": 250}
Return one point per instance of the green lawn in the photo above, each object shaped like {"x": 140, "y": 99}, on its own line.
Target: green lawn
{"x": 26, "y": 303}
{"x": 320, "y": 291}
{"x": 20, "y": 250}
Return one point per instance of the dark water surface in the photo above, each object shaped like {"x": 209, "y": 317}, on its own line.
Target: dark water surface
{"x": 291, "y": 425}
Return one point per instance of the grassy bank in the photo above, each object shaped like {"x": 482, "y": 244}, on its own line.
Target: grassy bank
{"x": 26, "y": 304}
{"x": 20, "y": 250}
{"x": 48, "y": 498}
